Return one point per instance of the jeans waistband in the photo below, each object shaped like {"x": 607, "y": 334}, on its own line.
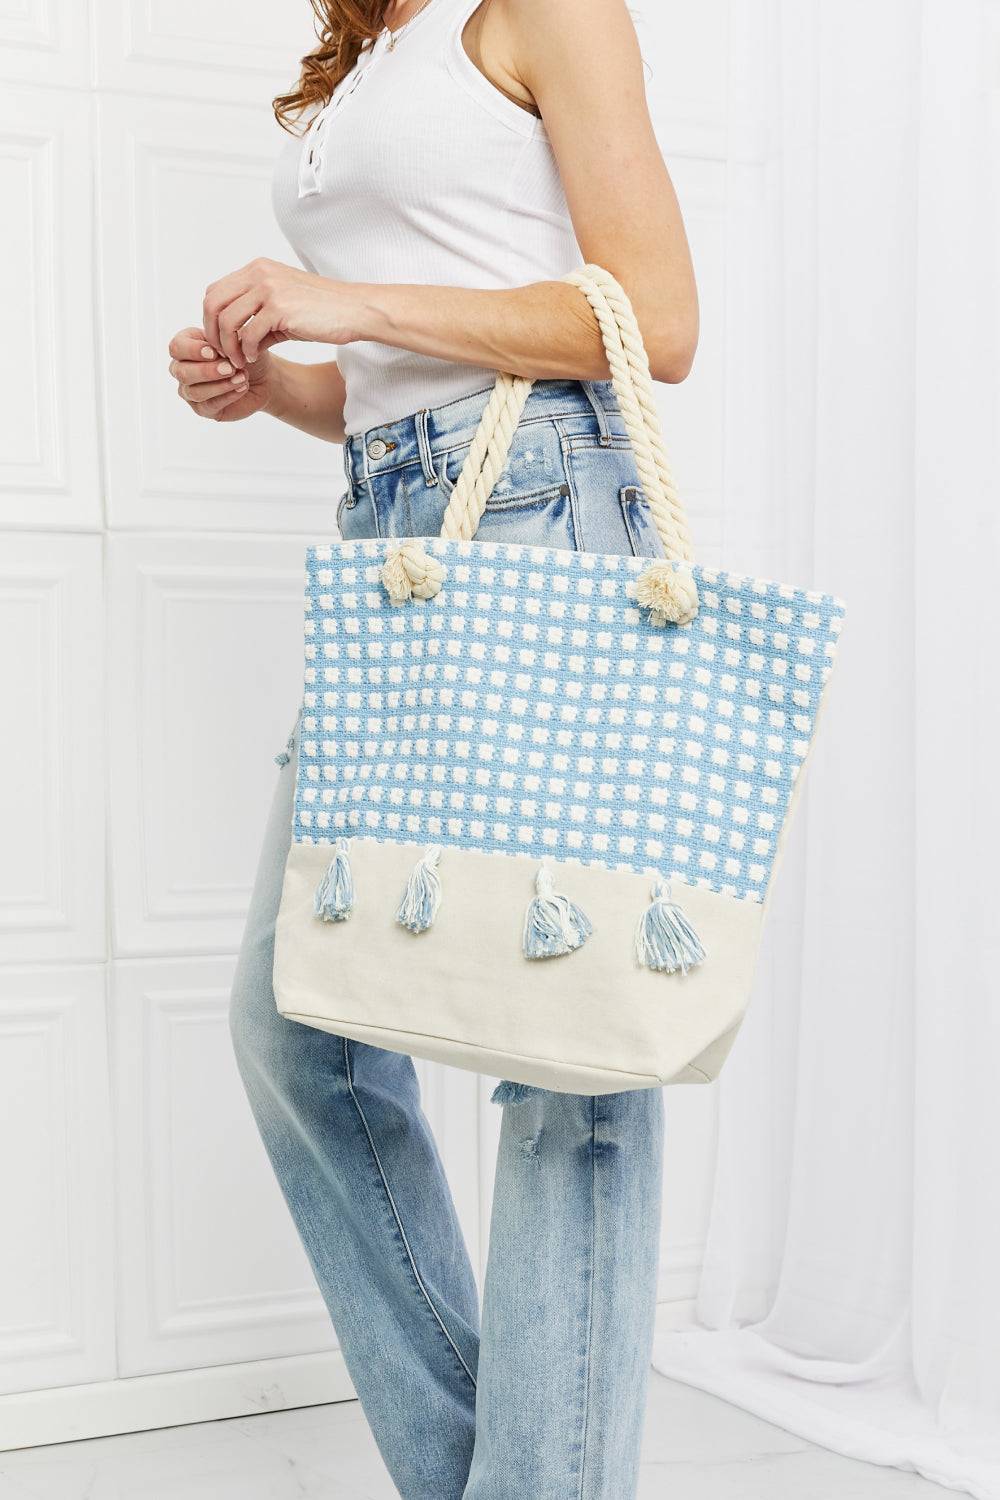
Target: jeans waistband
{"x": 414, "y": 438}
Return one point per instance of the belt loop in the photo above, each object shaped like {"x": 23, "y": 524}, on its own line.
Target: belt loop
{"x": 424, "y": 446}
{"x": 603, "y": 425}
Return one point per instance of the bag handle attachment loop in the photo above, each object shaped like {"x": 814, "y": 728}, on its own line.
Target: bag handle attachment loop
{"x": 666, "y": 587}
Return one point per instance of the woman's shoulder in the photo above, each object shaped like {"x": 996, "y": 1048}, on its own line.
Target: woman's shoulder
{"x": 570, "y": 18}
{"x": 530, "y": 37}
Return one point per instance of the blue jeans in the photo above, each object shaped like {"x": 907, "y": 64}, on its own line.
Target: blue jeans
{"x": 543, "y": 1397}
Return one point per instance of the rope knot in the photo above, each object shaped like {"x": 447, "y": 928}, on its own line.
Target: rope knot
{"x": 669, "y": 592}
{"x": 410, "y": 572}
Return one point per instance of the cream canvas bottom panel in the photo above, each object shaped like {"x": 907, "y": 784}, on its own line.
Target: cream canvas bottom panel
{"x": 591, "y": 1022}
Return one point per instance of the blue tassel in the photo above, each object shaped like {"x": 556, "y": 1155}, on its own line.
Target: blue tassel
{"x": 284, "y": 756}
{"x": 422, "y": 896}
{"x": 664, "y": 938}
{"x": 553, "y": 925}
{"x": 512, "y": 1093}
{"x": 334, "y": 899}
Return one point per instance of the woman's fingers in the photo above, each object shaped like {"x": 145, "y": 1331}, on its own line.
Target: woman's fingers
{"x": 207, "y": 390}
{"x": 264, "y": 343}
{"x": 191, "y": 344}
{"x": 258, "y": 335}
{"x": 217, "y": 404}
{"x": 231, "y": 320}
{"x": 220, "y": 298}
{"x": 205, "y": 380}
{"x": 196, "y": 372}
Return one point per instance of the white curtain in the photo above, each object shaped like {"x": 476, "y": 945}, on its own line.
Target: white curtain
{"x": 851, "y": 1285}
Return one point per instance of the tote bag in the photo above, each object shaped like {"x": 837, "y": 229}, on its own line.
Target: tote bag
{"x": 541, "y": 794}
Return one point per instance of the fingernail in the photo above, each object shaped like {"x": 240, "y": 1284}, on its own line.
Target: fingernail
{"x": 225, "y": 369}
{"x": 238, "y": 380}
{"x": 251, "y": 359}
{"x": 206, "y": 352}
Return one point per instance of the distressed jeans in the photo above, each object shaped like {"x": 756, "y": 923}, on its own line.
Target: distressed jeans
{"x": 541, "y": 1395}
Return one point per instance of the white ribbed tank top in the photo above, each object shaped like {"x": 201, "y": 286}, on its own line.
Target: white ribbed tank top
{"x": 420, "y": 170}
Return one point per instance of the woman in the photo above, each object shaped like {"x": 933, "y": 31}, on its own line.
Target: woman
{"x": 460, "y": 157}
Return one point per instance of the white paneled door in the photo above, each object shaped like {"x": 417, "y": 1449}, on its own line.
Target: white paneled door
{"x": 48, "y": 433}
{"x": 204, "y": 663}
{"x": 150, "y": 587}
{"x": 52, "y": 751}
{"x": 56, "y": 1254}
{"x": 231, "y": 49}
{"x": 45, "y": 41}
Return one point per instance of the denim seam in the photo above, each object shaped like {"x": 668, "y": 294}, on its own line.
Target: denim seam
{"x": 590, "y": 1296}
{"x": 586, "y": 442}
{"x": 523, "y": 500}
{"x": 623, "y": 498}
{"x": 349, "y": 1074}
{"x": 535, "y": 419}
{"x": 528, "y": 499}
{"x": 579, "y": 540}
{"x": 487, "y": 390}
{"x": 369, "y": 490}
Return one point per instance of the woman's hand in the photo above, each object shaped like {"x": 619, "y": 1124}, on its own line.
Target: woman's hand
{"x": 266, "y": 302}
{"x": 210, "y": 384}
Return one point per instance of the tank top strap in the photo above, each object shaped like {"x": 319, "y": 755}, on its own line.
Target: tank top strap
{"x": 440, "y": 18}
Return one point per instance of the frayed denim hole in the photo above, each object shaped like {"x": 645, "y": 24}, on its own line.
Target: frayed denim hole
{"x": 512, "y": 1093}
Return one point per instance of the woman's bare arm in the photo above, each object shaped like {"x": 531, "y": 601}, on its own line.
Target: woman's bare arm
{"x": 579, "y": 59}
{"x": 309, "y": 397}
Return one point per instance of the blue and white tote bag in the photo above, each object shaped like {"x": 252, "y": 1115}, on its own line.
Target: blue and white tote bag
{"x": 541, "y": 794}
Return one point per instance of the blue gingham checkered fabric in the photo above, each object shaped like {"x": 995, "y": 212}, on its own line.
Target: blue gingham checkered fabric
{"x": 532, "y": 708}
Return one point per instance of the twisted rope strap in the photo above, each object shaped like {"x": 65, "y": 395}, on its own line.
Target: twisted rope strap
{"x": 666, "y": 588}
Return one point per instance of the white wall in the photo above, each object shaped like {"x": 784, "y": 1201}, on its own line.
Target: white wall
{"x": 150, "y": 573}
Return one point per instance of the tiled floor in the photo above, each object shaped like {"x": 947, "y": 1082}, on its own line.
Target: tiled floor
{"x": 697, "y": 1448}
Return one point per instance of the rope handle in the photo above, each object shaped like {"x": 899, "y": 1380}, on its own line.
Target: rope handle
{"x": 633, "y": 387}
{"x": 666, "y": 587}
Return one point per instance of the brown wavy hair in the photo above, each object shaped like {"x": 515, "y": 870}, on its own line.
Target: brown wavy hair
{"x": 344, "y": 28}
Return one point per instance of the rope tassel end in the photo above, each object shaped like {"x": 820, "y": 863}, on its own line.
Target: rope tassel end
{"x": 410, "y": 572}
{"x": 668, "y": 591}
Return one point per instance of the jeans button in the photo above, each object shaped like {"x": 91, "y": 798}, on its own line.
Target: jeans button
{"x": 377, "y": 449}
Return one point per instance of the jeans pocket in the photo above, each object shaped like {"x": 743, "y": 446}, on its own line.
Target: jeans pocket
{"x": 545, "y": 519}
{"x": 531, "y": 501}
{"x": 642, "y": 533}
